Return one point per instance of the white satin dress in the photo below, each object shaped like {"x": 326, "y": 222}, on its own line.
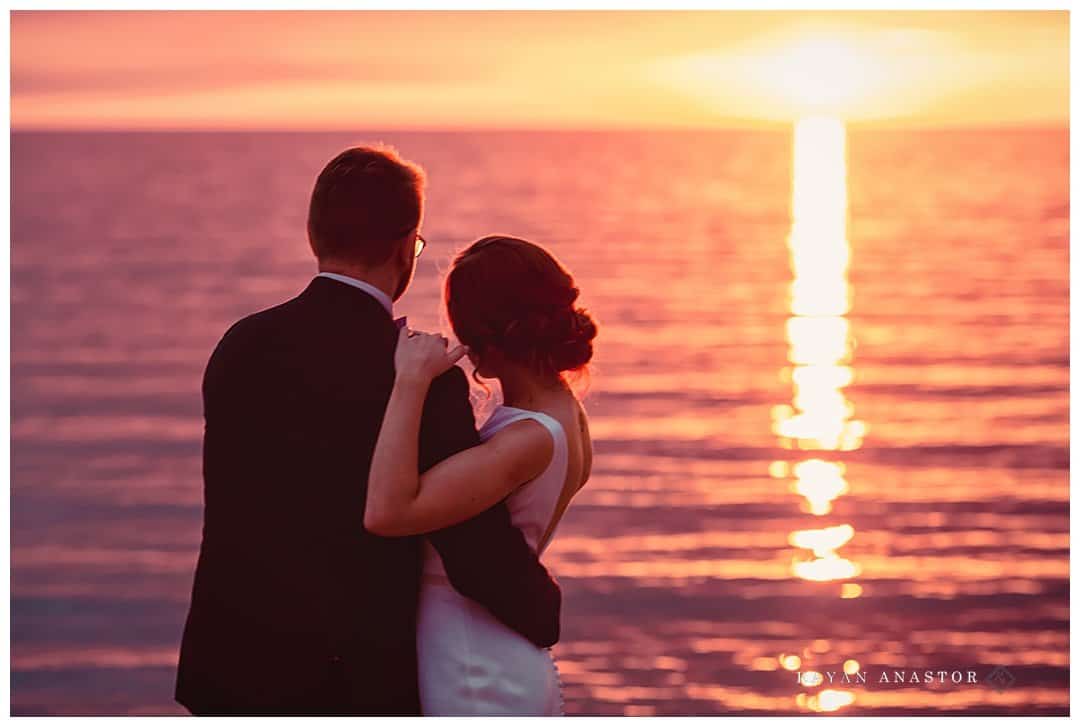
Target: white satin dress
{"x": 469, "y": 662}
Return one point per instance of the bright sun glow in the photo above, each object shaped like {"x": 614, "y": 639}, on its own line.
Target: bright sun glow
{"x": 785, "y": 78}
{"x": 819, "y": 75}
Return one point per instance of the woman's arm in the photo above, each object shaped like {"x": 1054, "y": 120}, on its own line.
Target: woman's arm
{"x": 486, "y": 558}
{"x": 402, "y": 502}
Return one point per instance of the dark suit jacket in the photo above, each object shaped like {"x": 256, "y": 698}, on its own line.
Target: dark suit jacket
{"x": 296, "y": 608}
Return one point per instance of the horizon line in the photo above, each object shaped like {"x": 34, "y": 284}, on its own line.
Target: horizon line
{"x": 772, "y": 126}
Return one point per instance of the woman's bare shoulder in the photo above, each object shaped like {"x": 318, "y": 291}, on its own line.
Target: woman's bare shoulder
{"x": 525, "y": 446}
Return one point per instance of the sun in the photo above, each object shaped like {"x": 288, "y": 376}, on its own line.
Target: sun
{"x": 819, "y": 76}
{"x": 789, "y": 77}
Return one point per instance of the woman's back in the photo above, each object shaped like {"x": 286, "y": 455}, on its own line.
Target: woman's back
{"x": 567, "y": 412}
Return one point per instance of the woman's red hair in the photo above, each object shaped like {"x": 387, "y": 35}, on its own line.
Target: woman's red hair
{"x": 513, "y": 296}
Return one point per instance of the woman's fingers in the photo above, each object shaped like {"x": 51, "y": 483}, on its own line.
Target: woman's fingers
{"x": 432, "y": 346}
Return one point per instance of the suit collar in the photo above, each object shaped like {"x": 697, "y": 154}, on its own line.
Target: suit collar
{"x": 333, "y": 293}
{"x": 380, "y": 296}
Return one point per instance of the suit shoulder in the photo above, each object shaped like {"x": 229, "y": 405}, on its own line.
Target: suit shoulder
{"x": 252, "y": 327}
{"x": 247, "y": 337}
{"x": 453, "y": 381}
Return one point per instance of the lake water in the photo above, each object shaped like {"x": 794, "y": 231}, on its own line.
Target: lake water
{"x": 815, "y": 446}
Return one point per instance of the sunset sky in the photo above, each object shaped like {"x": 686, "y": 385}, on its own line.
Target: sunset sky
{"x": 432, "y": 70}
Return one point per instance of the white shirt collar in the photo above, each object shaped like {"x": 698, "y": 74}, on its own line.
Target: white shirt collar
{"x": 383, "y": 298}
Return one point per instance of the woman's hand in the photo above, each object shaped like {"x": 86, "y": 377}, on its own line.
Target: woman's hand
{"x": 420, "y": 357}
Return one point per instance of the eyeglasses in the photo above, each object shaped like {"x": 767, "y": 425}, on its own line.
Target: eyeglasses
{"x": 421, "y": 243}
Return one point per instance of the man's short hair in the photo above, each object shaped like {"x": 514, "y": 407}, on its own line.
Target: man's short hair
{"x": 364, "y": 200}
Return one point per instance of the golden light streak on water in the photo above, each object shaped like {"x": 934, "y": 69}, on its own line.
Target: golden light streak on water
{"x": 818, "y": 333}
{"x": 822, "y": 541}
{"x": 820, "y": 347}
{"x": 830, "y": 567}
{"x": 819, "y": 482}
{"x": 764, "y": 663}
{"x": 830, "y": 700}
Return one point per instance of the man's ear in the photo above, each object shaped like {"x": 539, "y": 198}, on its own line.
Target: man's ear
{"x": 406, "y": 251}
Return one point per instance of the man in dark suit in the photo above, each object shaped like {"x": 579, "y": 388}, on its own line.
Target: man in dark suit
{"x": 296, "y": 609}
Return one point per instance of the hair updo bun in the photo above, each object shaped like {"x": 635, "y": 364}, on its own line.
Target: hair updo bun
{"x": 576, "y": 349}
{"x": 510, "y": 295}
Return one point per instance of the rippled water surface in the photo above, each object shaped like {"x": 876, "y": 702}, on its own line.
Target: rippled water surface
{"x": 817, "y": 446}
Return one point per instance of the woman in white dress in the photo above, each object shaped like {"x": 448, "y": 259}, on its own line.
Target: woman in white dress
{"x": 513, "y": 306}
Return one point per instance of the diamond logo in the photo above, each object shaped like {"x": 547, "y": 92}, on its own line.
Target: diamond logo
{"x": 1000, "y": 679}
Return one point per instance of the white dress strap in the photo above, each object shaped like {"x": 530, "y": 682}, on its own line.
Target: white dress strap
{"x": 560, "y": 463}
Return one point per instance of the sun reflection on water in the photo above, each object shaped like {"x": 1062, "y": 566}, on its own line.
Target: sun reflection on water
{"x": 819, "y": 421}
{"x": 830, "y": 700}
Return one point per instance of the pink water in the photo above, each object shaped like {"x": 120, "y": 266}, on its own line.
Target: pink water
{"x": 683, "y": 562}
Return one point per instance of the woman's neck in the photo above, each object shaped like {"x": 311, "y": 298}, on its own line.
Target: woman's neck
{"x": 526, "y": 390}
